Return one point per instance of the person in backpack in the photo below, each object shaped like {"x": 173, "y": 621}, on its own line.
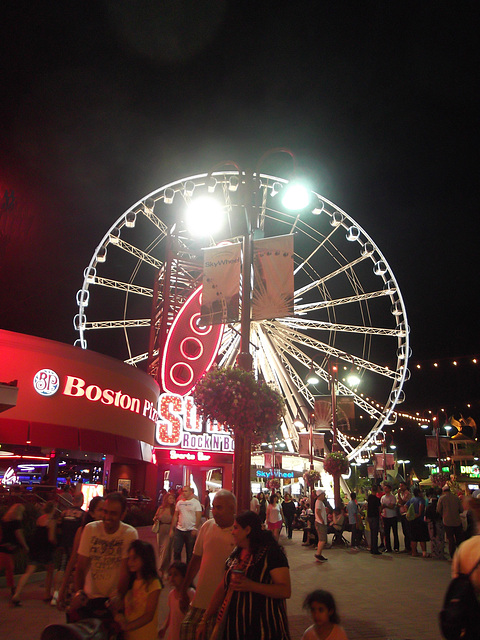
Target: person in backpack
{"x": 468, "y": 553}
{"x": 460, "y": 616}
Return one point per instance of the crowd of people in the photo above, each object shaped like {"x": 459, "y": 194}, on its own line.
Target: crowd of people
{"x": 240, "y": 569}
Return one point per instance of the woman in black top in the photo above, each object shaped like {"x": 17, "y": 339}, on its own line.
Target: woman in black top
{"x": 289, "y": 509}
{"x": 12, "y": 539}
{"x": 250, "y": 601}
{"x": 41, "y": 552}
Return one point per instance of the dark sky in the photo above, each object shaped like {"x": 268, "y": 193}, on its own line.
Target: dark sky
{"x": 103, "y": 102}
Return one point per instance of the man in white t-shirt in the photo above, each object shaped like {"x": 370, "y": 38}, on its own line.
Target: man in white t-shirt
{"x": 101, "y": 571}
{"x": 213, "y": 546}
{"x": 185, "y": 524}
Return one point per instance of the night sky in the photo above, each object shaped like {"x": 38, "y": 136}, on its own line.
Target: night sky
{"x": 103, "y": 102}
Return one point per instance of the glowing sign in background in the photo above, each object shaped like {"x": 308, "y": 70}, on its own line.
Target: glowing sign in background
{"x": 190, "y": 348}
{"x": 179, "y": 426}
{"x": 46, "y": 382}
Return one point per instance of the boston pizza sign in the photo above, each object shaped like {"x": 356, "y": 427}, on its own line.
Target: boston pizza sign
{"x": 65, "y": 386}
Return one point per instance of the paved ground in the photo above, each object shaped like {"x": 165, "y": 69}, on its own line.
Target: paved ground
{"x": 392, "y": 597}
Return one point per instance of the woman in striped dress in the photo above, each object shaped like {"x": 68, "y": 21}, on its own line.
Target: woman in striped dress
{"x": 250, "y": 602}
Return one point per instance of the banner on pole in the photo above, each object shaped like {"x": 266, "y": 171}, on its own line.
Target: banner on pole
{"x": 389, "y": 459}
{"x": 345, "y": 412}
{"x": 431, "y": 442}
{"x": 268, "y": 460}
{"x": 221, "y": 284}
{"x": 273, "y": 278}
{"x": 318, "y": 444}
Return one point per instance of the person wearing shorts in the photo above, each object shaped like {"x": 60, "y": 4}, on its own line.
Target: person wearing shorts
{"x": 321, "y": 525}
{"x": 274, "y": 516}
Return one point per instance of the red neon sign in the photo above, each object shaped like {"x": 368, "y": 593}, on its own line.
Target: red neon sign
{"x": 190, "y": 348}
{"x": 179, "y": 425}
{"x": 191, "y": 456}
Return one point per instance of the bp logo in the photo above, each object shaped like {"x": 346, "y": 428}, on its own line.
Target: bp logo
{"x": 46, "y": 382}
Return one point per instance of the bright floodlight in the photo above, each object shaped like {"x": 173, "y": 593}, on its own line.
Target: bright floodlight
{"x": 204, "y": 216}
{"x": 295, "y": 196}
{"x": 353, "y": 380}
{"x": 298, "y": 422}
{"x": 312, "y": 377}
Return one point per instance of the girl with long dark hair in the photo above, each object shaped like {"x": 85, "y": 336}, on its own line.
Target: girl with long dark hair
{"x": 140, "y": 618}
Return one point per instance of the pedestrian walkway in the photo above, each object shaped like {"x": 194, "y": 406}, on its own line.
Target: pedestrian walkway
{"x": 387, "y": 597}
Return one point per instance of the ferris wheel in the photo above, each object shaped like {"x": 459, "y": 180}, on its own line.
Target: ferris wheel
{"x": 348, "y": 307}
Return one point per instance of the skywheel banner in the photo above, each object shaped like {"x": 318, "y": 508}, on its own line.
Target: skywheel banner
{"x": 273, "y": 278}
{"x": 221, "y": 284}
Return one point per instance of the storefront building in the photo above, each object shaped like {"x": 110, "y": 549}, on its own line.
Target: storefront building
{"x": 76, "y": 409}
{"x": 190, "y": 450}
{"x": 66, "y": 409}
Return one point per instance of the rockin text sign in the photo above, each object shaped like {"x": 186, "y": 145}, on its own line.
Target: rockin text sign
{"x": 179, "y": 425}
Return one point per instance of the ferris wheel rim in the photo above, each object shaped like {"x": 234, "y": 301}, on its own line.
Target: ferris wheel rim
{"x": 345, "y": 222}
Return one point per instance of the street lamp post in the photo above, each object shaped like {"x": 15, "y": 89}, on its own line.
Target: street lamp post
{"x": 243, "y": 441}
{"x": 311, "y": 424}
{"x": 312, "y": 378}
{"x": 333, "y": 383}
{"x": 384, "y": 447}
{"x": 403, "y": 462}
{"x": 243, "y": 444}
{"x": 436, "y": 431}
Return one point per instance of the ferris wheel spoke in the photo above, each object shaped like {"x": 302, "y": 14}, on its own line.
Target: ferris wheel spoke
{"x": 300, "y": 356}
{"x": 274, "y": 375}
{"x": 122, "y": 286}
{"x": 136, "y": 359}
{"x": 138, "y": 253}
{"x": 291, "y": 371}
{"x": 319, "y": 246}
{"x": 333, "y": 274}
{"x": 332, "y": 352}
{"x": 326, "y": 304}
{"x": 283, "y": 371}
{"x": 229, "y": 348}
{"x": 150, "y": 215}
{"x": 295, "y": 407}
{"x": 116, "y": 324}
{"x": 301, "y": 323}
{"x": 344, "y": 443}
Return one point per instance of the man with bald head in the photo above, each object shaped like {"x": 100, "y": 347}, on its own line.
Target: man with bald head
{"x": 213, "y": 546}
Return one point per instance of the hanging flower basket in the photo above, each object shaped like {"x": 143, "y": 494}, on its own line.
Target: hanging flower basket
{"x": 311, "y": 477}
{"x": 273, "y": 483}
{"x": 233, "y": 397}
{"x": 336, "y": 463}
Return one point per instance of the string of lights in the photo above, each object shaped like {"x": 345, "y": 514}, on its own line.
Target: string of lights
{"x": 445, "y": 362}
